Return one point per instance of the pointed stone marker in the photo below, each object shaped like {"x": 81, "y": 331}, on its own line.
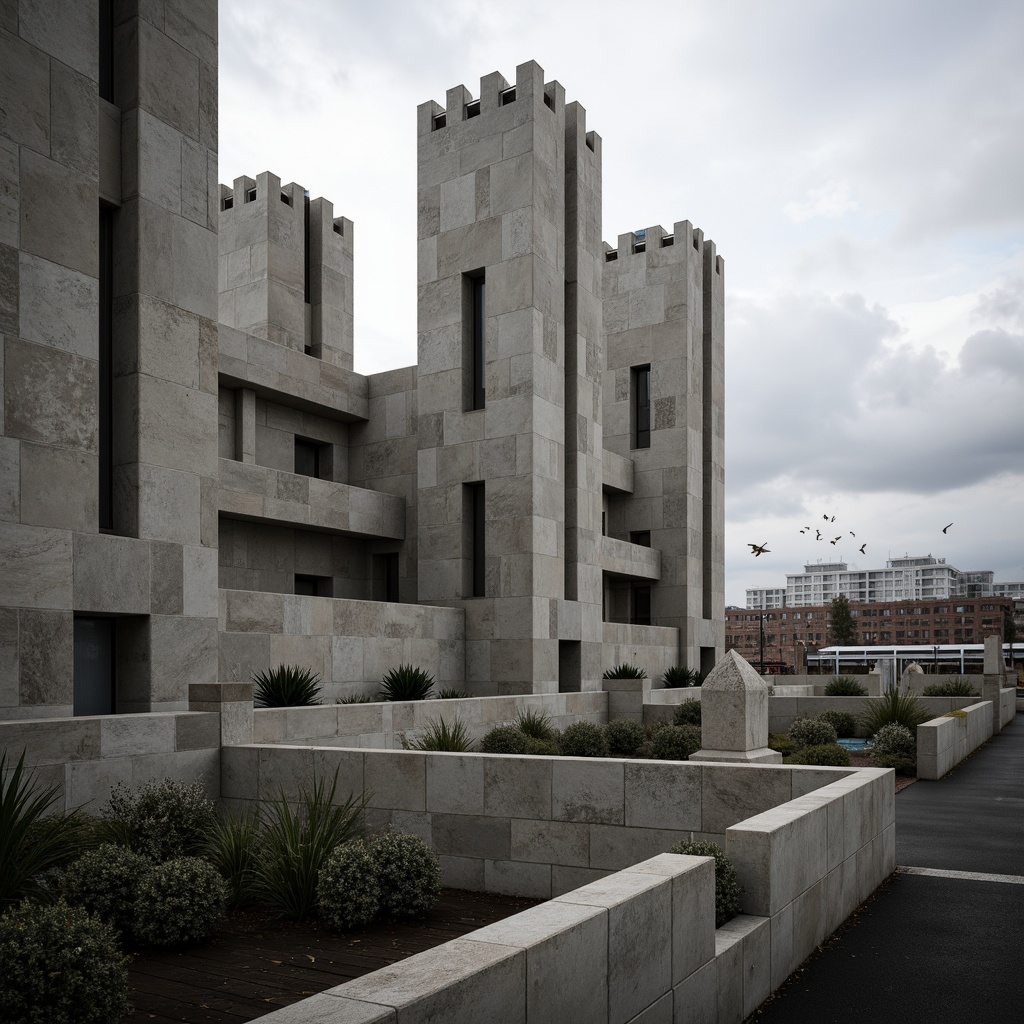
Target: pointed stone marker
{"x": 734, "y": 715}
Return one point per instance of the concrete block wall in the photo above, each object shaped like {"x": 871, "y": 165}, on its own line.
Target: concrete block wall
{"x": 532, "y": 826}
{"x": 663, "y": 310}
{"x": 86, "y": 756}
{"x": 783, "y": 711}
{"x": 653, "y": 648}
{"x": 385, "y": 724}
{"x": 150, "y": 158}
{"x": 350, "y": 643}
{"x": 944, "y": 742}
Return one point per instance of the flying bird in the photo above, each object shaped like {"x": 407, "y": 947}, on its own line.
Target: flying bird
{"x": 862, "y": 547}
{"x": 945, "y": 528}
{"x": 852, "y": 534}
{"x": 825, "y": 517}
{"x": 836, "y": 541}
{"x": 818, "y": 532}
{"x": 833, "y": 519}
{"x": 803, "y": 531}
{"x": 759, "y": 549}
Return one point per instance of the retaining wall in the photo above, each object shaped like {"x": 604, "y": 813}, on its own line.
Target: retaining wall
{"x": 87, "y": 756}
{"x": 944, "y": 742}
{"x": 783, "y": 711}
{"x": 652, "y": 648}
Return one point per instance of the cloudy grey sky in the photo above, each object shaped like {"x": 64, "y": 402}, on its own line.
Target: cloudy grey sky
{"x": 859, "y": 165}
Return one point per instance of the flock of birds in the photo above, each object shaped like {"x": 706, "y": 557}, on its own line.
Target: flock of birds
{"x": 762, "y": 549}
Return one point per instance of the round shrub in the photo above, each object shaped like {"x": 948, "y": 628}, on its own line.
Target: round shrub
{"x": 584, "y": 739}
{"x": 61, "y": 965}
{"x": 179, "y": 903}
{"x": 624, "y": 737}
{"x": 161, "y": 820}
{"x": 727, "y": 887}
{"x": 687, "y": 713}
{"x": 348, "y": 891}
{"x": 902, "y": 765}
{"x": 104, "y": 881}
{"x": 408, "y": 873}
{"x": 843, "y": 722}
{"x": 958, "y": 687}
{"x": 548, "y": 748}
{"x": 782, "y": 742}
{"x": 675, "y": 742}
{"x": 895, "y": 739}
{"x": 811, "y": 732}
{"x": 844, "y": 686}
{"x": 823, "y": 754}
{"x": 504, "y": 739}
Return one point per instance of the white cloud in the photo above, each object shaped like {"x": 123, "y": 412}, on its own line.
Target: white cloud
{"x": 830, "y": 201}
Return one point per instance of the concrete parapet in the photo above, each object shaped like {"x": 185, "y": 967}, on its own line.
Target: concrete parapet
{"x": 944, "y": 742}
{"x": 652, "y": 648}
{"x": 783, "y": 711}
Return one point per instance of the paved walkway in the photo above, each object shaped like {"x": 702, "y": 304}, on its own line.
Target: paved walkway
{"x": 943, "y": 941}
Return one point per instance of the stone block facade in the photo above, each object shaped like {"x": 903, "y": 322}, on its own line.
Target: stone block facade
{"x": 194, "y": 482}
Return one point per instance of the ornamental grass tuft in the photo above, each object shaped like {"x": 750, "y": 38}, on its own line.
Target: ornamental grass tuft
{"x": 407, "y": 683}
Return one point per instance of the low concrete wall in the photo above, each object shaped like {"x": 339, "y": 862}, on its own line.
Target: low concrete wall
{"x": 784, "y": 711}
{"x": 640, "y": 945}
{"x": 871, "y": 681}
{"x": 386, "y": 723}
{"x": 944, "y": 742}
{"x": 530, "y": 826}
{"x": 652, "y": 648}
{"x": 86, "y": 756}
{"x": 350, "y": 643}
{"x": 1008, "y": 705}
{"x": 660, "y": 705}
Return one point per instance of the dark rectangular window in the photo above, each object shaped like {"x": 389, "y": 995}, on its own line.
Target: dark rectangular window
{"x": 640, "y": 537}
{"x": 106, "y": 368}
{"x": 307, "y": 457}
{"x": 387, "y": 576}
{"x": 478, "y": 540}
{"x": 475, "y": 311}
{"x": 106, "y": 50}
{"x": 640, "y": 613}
{"x": 94, "y": 665}
{"x": 641, "y": 407}
{"x": 312, "y": 586}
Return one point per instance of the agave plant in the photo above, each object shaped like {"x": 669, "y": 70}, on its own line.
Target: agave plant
{"x": 406, "y": 683}
{"x": 679, "y": 676}
{"x": 535, "y": 724}
{"x": 625, "y": 671}
{"x": 32, "y": 840}
{"x": 287, "y": 686}
{"x": 452, "y": 693}
{"x": 894, "y": 706}
{"x": 844, "y": 686}
{"x": 439, "y": 735}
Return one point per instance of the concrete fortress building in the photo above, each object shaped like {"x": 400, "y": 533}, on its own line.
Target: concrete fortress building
{"x": 190, "y": 494}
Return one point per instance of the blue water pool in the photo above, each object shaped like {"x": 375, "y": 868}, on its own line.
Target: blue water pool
{"x": 854, "y": 744}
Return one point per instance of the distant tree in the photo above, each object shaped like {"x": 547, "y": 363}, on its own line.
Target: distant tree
{"x": 842, "y": 630}
{"x": 1009, "y": 627}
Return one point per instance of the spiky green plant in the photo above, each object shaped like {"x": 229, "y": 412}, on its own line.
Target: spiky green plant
{"x": 958, "y": 687}
{"x": 451, "y": 693}
{"x": 294, "y": 844}
{"x": 406, "y": 683}
{"x": 844, "y": 686}
{"x": 358, "y": 698}
{"x": 33, "y": 840}
{"x": 287, "y": 686}
{"x": 625, "y": 671}
{"x": 679, "y": 675}
{"x": 894, "y": 706}
{"x": 232, "y": 851}
{"x": 439, "y": 735}
{"x": 535, "y": 724}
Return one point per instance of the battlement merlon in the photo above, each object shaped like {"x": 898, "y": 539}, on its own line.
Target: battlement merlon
{"x": 529, "y": 93}
{"x": 655, "y": 240}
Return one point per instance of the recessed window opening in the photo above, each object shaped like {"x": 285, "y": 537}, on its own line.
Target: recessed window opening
{"x": 106, "y": 51}
{"x": 307, "y": 457}
{"x": 639, "y": 247}
{"x": 642, "y": 538}
{"x": 106, "y": 369}
{"x": 696, "y": 244}
{"x": 286, "y": 199}
{"x": 386, "y": 571}
{"x": 227, "y": 202}
{"x": 95, "y": 645}
{"x": 307, "y": 350}
{"x": 667, "y": 240}
{"x": 339, "y": 227}
{"x": 718, "y": 265}
{"x": 590, "y": 141}
{"x": 472, "y": 109}
{"x": 641, "y": 406}
{"x": 440, "y": 120}
{"x": 640, "y": 612}
{"x": 476, "y": 535}
{"x": 305, "y": 251}
{"x": 474, "y": 312}
{"x": 250, "y": 195}
{"x": 307, "y": 585}
{"x": 611, "y": 255}
{"x": 548, "y": 101}
{"x": 508, "y": 96}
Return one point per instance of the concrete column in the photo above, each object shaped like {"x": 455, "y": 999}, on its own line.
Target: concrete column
{"x": 245, "y": 425}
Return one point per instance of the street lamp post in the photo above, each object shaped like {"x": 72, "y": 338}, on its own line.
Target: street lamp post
{"x": 760, "y": 620}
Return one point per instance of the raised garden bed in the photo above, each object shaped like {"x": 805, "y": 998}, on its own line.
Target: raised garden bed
{"x": 257, "y": 963}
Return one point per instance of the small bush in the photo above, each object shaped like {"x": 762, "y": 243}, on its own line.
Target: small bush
{"x": 811, "y": 732}
{"x": 675, "y": 742}
{"x": 546, "y": 748}
{"x": 104, "y": 881}
{"x": 179, "y": 903}
{"x": 504, "y": 739}
{"x": 679, "y": 675}
{"x": 61, "y": 965}
{"x": 584, "y": 739}
{"x": 406, "y": 683}
{"x": 287, "y": 686}
{"x": 625, "y": 671}
{"x": 687, "y": 713}
{"x": 624, "y": 738}
{"x": 843, "y": 722}
{"x": 232, "y": 851}
{"x": 782, "y": 742}
{"x": 439, "y": 735}
{"x": 823, "y": 754}
{"x": 844, "y": 686}
{"x": 294, "y": 844}
{"x": 902, "y": 765}
{"x": 535, "y": 724}
{"x": 451, "y": 693}
{"x": 893, "y": 706}
{"x": 958, "y": 687}
{"x": 348, "y": 891}
{"x": 408, "y": 873}
{"x": 727, "y": 887}
{"x": 895, "y": 739}
{"x": 160, "y": 820}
